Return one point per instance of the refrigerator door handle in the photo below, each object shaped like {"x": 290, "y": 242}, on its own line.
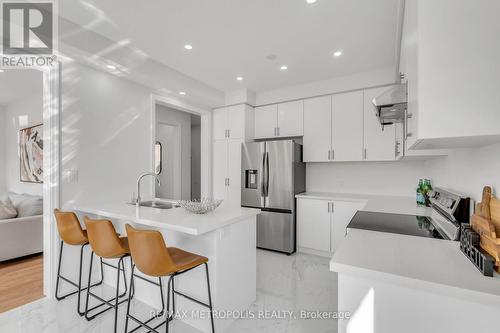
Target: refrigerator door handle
{"x": 267, "y": 173}
{"x": 262, "y": 182}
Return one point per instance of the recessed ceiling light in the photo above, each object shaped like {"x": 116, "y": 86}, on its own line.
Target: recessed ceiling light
{"x": 239, "y": 78}
{"x": 188, "y": 47}
{"x": 112, "y": 67}
{"x": 284, "y": 68}
{"x": 182, "y": 93}
{"x": 337, "y": 53}
{"x": 311, "y": 1}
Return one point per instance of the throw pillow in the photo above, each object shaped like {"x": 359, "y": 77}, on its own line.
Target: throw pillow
{"x": 7, "y": 210}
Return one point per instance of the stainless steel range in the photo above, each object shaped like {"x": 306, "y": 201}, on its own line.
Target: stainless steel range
{"x": 449, "y": 211}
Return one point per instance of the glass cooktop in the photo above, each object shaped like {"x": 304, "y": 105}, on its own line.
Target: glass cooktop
{"x": 395, "y": 223}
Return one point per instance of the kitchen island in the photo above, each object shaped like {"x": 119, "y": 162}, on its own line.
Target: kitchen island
{"x": 226, "y": 236}
{"x": 400, "y": 283}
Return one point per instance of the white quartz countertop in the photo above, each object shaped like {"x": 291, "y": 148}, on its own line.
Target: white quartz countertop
{"x": 437, "y": 266}
{"x": 177, "y": 219}
{"x": 430, "y": 264}
{"x": 374, "y": 203}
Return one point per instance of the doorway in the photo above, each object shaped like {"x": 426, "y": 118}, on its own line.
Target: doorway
{"x": 22, "y": 178}
{"x": 177, "y": 154}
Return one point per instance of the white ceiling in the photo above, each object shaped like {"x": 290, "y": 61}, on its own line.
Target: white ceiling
{"x": 16, "y": 84}
{"x": 233, "y": 37}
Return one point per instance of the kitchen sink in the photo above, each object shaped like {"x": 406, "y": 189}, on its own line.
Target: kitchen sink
{"x": 157, "y": 204}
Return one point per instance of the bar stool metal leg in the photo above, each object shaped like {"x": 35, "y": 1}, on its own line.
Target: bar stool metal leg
{"x": 108, "y": 303}
{"x": 210, "y": 299}
{"x": 157, "y": 315}
{"x": 79, "y": 285}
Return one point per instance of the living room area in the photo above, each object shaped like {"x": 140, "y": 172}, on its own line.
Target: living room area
{"x": 21, "y": 187}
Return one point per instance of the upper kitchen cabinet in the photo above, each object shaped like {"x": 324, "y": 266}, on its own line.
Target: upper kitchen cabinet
{"x": 266, "y": 118}
{"x": 452, "y": 71}
{"x": 333, "y": 128}
{"x": 291, "y": 119}
{"x": 379, "y": 143}
{"x": 347, "y": 126}
{"x": 233, "y": 122}
{"x": 279, "y": 120}
{"x": 317, "y": 139}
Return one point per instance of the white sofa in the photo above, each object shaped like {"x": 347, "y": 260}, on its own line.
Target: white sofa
{"x": 23, "y": 235}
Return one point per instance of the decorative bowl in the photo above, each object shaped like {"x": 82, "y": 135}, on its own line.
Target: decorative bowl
{"x": 202, "y": 206}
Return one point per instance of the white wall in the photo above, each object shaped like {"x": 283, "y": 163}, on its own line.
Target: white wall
{"x": 169, "y": 116}
{"x": 385, "y": 178}
{"x": 357, "y": 81}
{"x": 106, "y": 135}
{"x": 20, "y": 114}
{"x": 468, "y": 170}
{"x": 2, "y": 151}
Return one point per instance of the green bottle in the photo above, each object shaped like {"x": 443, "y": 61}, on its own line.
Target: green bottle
{"x": 420, "y": 193}
{"x": 427, "y": 189}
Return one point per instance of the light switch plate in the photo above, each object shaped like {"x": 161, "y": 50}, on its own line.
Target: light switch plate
{"x": 71, "y": 176}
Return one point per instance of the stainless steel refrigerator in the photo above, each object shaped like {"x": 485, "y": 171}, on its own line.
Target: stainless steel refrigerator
{"x": 272, "y": 172}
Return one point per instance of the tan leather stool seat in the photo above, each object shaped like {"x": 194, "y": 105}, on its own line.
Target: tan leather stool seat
{"x": 153, "y": 258}
{"x": 69, "y": 228}
{"x": 185, "y": 260}
{"x": 104, "y": 240}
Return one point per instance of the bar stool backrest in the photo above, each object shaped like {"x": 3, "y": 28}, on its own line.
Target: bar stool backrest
{"x": 149, "y": 252}
{"x": 103, "y": 238}
{"x": 69, "y": 228}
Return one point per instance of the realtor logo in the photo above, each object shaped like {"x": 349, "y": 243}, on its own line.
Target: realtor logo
{"x": 27, "y": 28}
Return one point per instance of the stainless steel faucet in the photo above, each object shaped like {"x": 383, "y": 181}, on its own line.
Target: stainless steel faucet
{"x": 138, "y": 200}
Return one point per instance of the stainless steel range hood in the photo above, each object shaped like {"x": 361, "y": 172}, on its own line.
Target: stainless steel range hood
{"x": 391, "y": 105}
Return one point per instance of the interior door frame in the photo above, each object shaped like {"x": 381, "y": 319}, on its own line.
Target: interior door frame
{"x": 206, "y": 138}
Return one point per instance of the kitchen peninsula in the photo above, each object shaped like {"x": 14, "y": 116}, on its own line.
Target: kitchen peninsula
{"x": 226, "y": 236}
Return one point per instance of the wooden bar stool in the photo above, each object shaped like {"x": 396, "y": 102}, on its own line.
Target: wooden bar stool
{"x": 71, "y": 233}
{"x": 153, "y": 258}
{"x": 107, "y": 244}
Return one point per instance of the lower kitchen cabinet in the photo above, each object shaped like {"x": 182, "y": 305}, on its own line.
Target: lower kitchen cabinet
{"x": 313, "y": 224}
{"x": 321, "y": 223}
{"x": 343, "y": 212}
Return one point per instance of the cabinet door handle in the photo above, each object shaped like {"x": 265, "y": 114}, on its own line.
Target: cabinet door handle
{"x": 365, "y": 154}
{"x": 332, "y": 208}
{"x": 329, "y": 155}
{"x": 228, "y": 182}
{"x": 277, "y": 131}
{"x": 328, "y": 207}
{"x": 228, "y": 133}
{"x": 333, "y": 154}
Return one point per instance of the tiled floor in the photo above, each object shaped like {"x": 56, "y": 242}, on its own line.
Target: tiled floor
{"x": 287, "y": 285}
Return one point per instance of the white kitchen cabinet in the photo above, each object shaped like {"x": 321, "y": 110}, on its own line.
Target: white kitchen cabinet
{"x": 321, "y": 223}
{"x": 266, "y": 118}
{"x": 227, "y": 171}
{"x": 233, "y": 122}
{"x": 317, "y": 141}
{"x": 220, "y": 168}
{"x": 231, "y": 127}
{"x": 290, "y": 119}
{"x": 279, "y": 120}
{"x": 379, "y": 145}
{"x": 347, "y": 126}
{"x": 313, "y": 224}
{"x": 233, "y": 196}
{"x": 451, "y": 88}
{"x": 343, "y": 212}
